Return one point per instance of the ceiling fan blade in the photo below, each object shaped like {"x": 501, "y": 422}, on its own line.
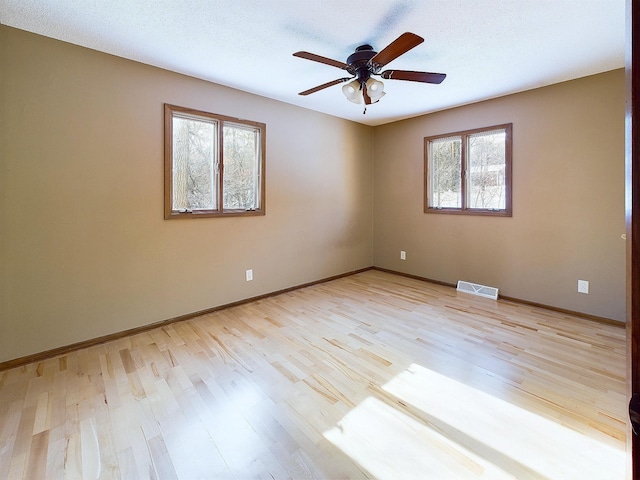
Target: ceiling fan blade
{"x": 400, "y": 45}
{"x": 320, "y": 59}
{"x": 424, "y": 77}
{"x": 325, "y": 85}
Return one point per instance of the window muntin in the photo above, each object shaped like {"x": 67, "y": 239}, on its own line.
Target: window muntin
{"x": 469, "y": 172}
{"x": 214, "y": 165}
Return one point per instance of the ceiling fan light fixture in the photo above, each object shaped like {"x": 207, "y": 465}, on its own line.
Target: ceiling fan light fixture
{"x": 375, "y": 89}
{"x": 351, "y": 90}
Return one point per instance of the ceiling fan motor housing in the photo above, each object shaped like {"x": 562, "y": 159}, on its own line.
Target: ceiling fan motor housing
{"x": 359, "y": 62}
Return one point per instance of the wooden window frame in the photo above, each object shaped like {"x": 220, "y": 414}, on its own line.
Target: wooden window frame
{"x": 464, "y": 209}
{"x": 169, "y": 212}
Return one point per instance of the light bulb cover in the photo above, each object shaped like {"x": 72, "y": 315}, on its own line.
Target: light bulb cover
{"x": 352, "y": 91}
{"x": 375, "y": 89}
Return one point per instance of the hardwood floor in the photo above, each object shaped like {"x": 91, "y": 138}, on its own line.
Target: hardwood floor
{"x": 369, "y": 376}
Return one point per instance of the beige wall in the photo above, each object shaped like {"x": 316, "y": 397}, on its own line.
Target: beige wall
{"x": 84, "y": 249}
{"x": 568, "y": 199}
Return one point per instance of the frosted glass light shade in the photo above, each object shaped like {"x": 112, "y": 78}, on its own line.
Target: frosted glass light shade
{"x": 375, "y": 90}
{"x": 352, "y": 91}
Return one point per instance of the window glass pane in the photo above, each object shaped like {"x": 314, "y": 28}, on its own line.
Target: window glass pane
{"x": 241, "y": 186}
{"x": 194, "y": 153}
{"x": 445, "y": 170}
{"x": 487, "y": 170}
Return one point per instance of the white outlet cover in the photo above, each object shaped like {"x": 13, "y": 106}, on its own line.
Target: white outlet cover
{"x": 249, "y": 275}
{"x": 583, "y": 286}
{"x": 403, "y": 255}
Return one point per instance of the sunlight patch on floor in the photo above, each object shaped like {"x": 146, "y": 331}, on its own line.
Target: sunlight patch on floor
{"x": 538, "y": 443}
{"x": 459, "y": 432}
{"x": 391, "y": 445}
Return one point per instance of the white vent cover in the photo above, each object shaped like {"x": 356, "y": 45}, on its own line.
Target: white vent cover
{"x": 476, "y": 289}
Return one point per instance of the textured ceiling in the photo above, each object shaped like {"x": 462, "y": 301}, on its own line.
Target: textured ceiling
{"x": 487, "y": 48}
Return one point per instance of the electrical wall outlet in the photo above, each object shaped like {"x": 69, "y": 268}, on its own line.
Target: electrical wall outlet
{"x": 403, "y": 255}
{"x": 583, "y": 286}
{"x": 249, "y": 275}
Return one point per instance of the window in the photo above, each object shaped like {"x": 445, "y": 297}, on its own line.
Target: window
{"x": 214, "y": 165}
{"x": 469, "y": 172}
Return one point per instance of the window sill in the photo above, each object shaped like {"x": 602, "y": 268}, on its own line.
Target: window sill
{"x": 174, "y": 215}
{"x": 458, "y": 211}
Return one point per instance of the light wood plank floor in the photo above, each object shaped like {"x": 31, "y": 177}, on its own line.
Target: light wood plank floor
{"x": 369, "y": 376}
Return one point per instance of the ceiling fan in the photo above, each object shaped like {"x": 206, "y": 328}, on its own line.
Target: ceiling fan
{"x": 366, "y": 62}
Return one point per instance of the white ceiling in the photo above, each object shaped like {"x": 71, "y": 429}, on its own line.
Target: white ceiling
{"x": 487, "y": 48}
